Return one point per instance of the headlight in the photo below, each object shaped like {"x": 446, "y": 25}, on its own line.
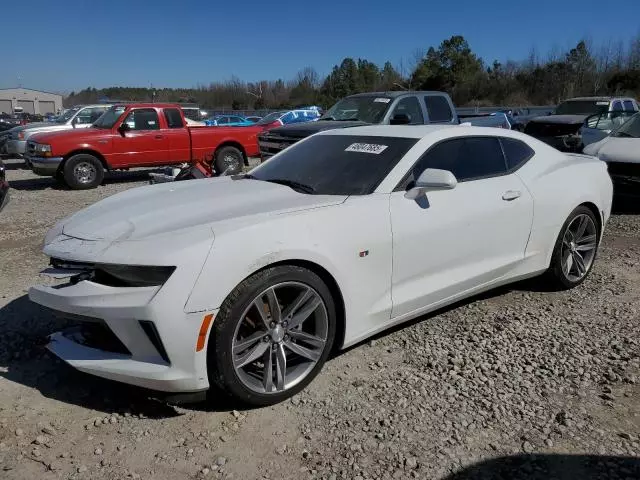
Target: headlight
{"x": 131, "y": 275}
{"x": 42, "y": 149}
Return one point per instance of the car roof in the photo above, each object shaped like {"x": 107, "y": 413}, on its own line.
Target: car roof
{"x": 419, "y": 131}
{"x": 395, "y": 93}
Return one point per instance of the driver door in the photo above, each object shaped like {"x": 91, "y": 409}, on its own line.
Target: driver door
{"x": 452, "y": 241}
{"x": 145, "y": 143}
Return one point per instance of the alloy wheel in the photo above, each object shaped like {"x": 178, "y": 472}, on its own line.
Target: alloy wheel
{"x": 579, "y": 245}
{"x": 280, "y": 337}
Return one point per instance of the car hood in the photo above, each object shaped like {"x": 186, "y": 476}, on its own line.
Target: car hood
{"x": 615, "y": 149}
{"x": 170, "y": 207}
{"x": 39, "y": 125}
{"x": 302, "y": 130}
{"x": 78, "y": 134}
{"x": 566, "y": 119}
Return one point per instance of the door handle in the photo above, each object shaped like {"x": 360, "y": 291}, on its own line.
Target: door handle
{"x": 159, "y": 137}
{"x": 511, "y": 195}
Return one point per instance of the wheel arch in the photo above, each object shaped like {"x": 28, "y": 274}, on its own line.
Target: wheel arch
{"x": 235, "y": 144}
{"x": 331, "y": 283}
{"x": 599, "y": 224}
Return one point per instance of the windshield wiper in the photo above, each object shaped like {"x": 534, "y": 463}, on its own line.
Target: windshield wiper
{"x": 354, "y": 119}
{"x": 327, "y": 118}
{"x": 293, "y": 184}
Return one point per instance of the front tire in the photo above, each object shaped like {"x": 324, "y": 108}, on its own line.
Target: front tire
{"x": 228, "y": 158}
{"x": 272, "y": 335}
{"x": 82, "y": 172}
{"x": 575, "y": 249}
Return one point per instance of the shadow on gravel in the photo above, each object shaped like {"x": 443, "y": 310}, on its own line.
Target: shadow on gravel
{"x": 25, "y": 360}
{"x": 44, "y": 183}
{"x": 546, "y": 467}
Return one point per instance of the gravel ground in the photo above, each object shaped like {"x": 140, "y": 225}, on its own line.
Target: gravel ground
{"x": 520, "y": 383}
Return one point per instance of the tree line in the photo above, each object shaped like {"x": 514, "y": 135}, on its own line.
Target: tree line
{"x": 452, "y": 67}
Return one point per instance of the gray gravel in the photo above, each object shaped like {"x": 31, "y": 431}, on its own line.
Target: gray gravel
{"x": 490, "y": 387}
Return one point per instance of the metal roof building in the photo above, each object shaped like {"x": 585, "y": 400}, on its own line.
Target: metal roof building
{"x": 29, "y": 101}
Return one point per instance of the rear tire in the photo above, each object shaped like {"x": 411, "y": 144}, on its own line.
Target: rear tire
{"x": 83, "y": 171}
{"x": 575, "y": 249}
{"x": 297, "y": 339}
{"x": 228, "y": 158}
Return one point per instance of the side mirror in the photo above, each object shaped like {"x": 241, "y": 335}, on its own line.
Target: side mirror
{"x": 74, "y": 121}
{"x": 123, "y": 128}
{"x": 430, "y": 180}
{"x": 400, "y": 119}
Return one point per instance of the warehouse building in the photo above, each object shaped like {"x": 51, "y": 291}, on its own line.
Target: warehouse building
{"x": 29, "y": 101}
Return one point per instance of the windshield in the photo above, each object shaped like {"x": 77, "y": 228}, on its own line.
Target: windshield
{"x": 272, "y": 117}
{"x": 109, "y": 118}
{"x": 335, "y": 164}
{"x": 66, "y": 116}
{"x": 370, "y": 109}
{"x": 629, "y": 129}
{"x": 582, "y": 107}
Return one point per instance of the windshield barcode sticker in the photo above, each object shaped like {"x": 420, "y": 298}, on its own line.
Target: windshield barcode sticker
{"x": 366, "y": 148}
{"x": 382, "y": 100}
{"x": 602, "y": 103}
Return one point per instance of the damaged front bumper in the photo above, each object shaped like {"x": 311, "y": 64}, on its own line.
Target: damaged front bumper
{"x": 138, "y": 342}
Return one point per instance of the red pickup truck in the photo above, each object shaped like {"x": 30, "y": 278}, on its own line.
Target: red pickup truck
{"x": 137, "y": 135}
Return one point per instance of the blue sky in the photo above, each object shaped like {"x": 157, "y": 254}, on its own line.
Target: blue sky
{"x": 67, "y": 45}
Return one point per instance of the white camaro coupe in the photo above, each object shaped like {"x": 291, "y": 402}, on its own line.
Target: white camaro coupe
{"x": 247, "y": 282}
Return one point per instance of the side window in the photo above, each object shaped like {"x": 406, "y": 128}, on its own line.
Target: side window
{"x": 629, "y": 106}
{"x": 89, "y": 115}
{"x": 617, "y": 106}
{"x": 222, "y": 120}
{"x": 410, "y": 106}
{"x": 467, "y": 158}
{"x": 438, "y": 108}
{"x": 289, "y": 117}
{"x": 236, "y": 120}
{"x": 143, "y": 119}
{"x": 517, "y": 152}
{"x": 173, "y": 118}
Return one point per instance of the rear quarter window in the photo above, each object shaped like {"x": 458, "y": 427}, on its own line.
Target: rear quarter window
{"x": 516, "y": 152}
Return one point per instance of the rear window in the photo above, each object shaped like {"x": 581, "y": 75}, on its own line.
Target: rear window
{"x": 173, "y": 117}
{"x": 337, "y": 164}
{"x": 438, "y": 109}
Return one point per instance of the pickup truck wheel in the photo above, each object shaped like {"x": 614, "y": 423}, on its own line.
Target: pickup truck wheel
{"x": 83, "y": 171}
{"x": 228, "y": 158}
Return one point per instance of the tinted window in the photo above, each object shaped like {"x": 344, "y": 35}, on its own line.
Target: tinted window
{"x": 336, "y": 164}
{"x": 174, "y": 120}
{"x": 438, "y": 108}
{"x": 222, "y": 120}
{"x": 629, "y": 106}
{"x": 467, "y": 158}
{"x": 410, "y": 106}
{"x": 617, "y": 105}
{"x": 143, "y": 119}
{"x": 517, "y": 152}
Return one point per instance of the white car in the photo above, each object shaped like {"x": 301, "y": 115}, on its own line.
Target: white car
{"x": 620, "y": 149}
{"x": 247, "y": 282}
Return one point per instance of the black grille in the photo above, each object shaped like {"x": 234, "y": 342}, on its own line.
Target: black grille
{"x": 624, "y": 169}
{"x": 94, "y": 333}
{"x": 537, "y": 129}
{"x": 270, "y": 144}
